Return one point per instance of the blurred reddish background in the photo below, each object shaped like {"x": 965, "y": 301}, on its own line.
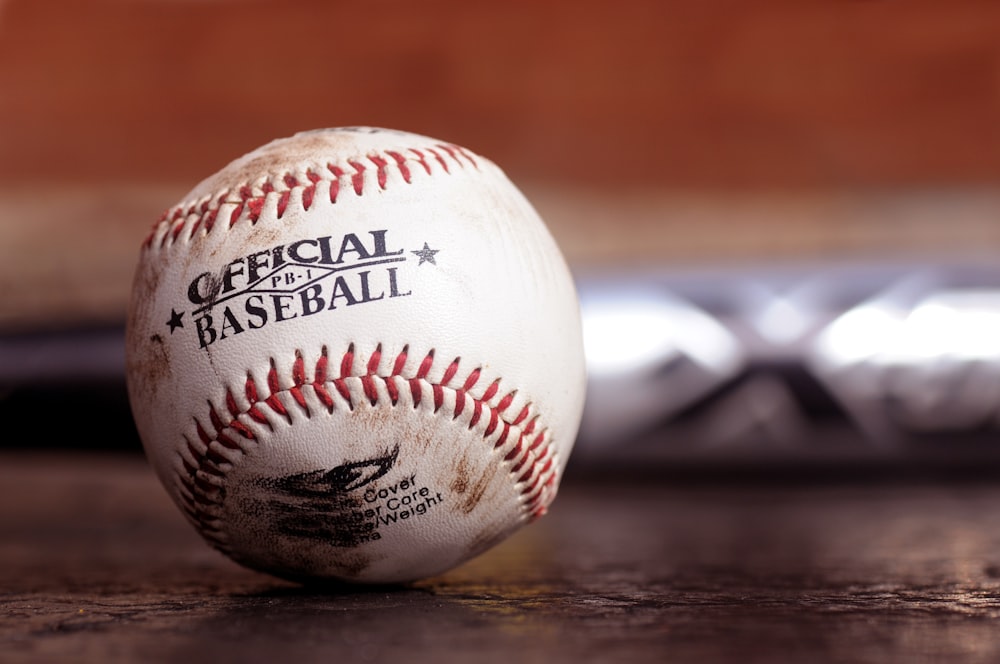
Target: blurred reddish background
{"x": 651, "y": 131}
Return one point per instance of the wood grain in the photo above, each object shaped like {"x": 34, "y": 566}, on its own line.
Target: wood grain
{"x": 97, "y": 565}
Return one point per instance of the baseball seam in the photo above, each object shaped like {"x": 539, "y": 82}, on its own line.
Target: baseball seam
{"x": 330, "y": 179}
{"x": 225, "y": 437}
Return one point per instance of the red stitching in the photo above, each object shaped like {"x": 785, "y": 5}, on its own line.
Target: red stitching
{"x": 249, "y": 204}
{"x": 207, "y": 458}
{"x": 404, "y": 170}
{"x": 421, "y": 159}
{"x": 335, "y": 183}
{"x": 358, "y": 178}
{"x": 440, "y": 159}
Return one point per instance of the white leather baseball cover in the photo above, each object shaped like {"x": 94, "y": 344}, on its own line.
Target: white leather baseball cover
{"x": 355, "y": 354}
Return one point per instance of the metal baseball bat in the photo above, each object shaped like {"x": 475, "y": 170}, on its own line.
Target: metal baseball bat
{"x": 831, "y": 363}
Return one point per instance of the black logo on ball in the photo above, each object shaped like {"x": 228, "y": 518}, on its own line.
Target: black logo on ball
{"x": 294, "y": 280}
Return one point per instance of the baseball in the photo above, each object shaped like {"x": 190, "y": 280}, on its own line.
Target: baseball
{"x": 355, "y": 354}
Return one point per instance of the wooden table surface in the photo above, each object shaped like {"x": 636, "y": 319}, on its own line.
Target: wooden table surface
{"x": 96, "y": 565}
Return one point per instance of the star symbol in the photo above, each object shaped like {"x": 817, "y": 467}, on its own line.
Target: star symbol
{"x": 426, "y": 255}
{"x": 175, "y": 320}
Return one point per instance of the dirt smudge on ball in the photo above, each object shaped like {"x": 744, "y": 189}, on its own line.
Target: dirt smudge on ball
{"x": 460, "y": 483}
{"x": 148, "y": 367}
{"x": 475, "y": 494}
